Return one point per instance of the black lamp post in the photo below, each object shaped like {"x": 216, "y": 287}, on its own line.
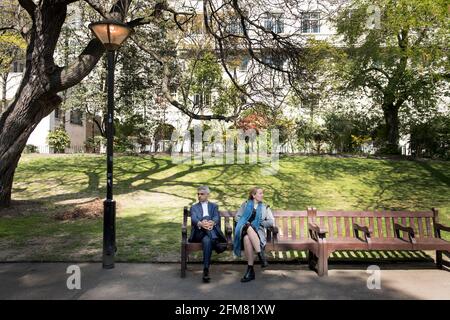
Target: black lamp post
{"x": 112, "y": 34}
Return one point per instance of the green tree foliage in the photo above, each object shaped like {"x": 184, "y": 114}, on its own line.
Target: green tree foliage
{"x": 397, "y": 51}
{"x": 58, "y": 140}
{"x": 12, "y": 48}
{"x": 431, "y": 138}
{"x": 206, "y": 74}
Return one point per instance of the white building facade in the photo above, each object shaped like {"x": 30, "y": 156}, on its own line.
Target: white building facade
{"x": 308, "y": 22}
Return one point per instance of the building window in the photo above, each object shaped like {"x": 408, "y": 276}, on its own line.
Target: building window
{"x": 311, "y": 103}
{"x": 244, "y": 64}
{"x": 311, "y": 22}
{"x": 234, "y": 26}
{"x": 18, "y": 66}
{"x": 197, "y": 99}
{"x": 274, "y": 22}
{"x": 274, "y": 61}
{"x": 76, "y": 117}
{"x": 57, "y": 113}
{"x": 201, "y": 100}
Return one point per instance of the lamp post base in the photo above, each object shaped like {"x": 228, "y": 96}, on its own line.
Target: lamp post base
{"x": 109, "y": 233}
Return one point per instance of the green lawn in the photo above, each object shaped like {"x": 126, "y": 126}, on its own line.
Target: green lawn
{"x": 151, "y": 192}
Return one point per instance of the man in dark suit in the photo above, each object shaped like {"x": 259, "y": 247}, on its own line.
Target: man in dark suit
{"x": 205, "y": 222}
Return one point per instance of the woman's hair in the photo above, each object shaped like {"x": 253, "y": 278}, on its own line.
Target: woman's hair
{"x": 252, "y": 192}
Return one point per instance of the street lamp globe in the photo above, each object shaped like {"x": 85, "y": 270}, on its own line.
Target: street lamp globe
{"x": 111, "y": 33}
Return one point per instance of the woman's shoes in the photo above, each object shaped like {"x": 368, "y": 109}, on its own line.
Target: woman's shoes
{"x": 249, "y": 275}
{"x": 262, "y": 258}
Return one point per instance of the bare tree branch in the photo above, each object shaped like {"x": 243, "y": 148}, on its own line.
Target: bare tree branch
{"x": 64, "y": 78}
{"x": 69, "y": 76}
{"x": 3, "y": 29}
{"x": 29, "y": 6}
{"x": 97, "y": 8}
{"x": 164, "y": 62}
{"x": 157, "y": 15}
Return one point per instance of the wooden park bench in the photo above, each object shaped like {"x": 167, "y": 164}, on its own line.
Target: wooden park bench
{"x": 320, "y": 233}
{"x": 379, "y": 230}
{"x": 300, "y": 235}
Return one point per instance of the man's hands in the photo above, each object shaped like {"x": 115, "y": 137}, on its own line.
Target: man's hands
{"x": 206, "y": 224}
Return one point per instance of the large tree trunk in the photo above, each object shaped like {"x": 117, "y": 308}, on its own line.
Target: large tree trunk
{"x": 37, "y": 94}
{"x": 16, "y": 126}
{"x": 392, "y": 128}
{"x": 33, "y": 100}
{"x": 4, "y": 87}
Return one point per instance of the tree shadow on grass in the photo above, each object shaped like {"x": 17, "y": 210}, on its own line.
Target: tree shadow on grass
{"x": 435, "y": 174}
{"x": 222, "y": 183}
{"x": 392, "y": 185}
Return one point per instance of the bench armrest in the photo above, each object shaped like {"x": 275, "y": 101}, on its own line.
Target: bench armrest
{"x": 316, "y": 232}
{"x": 228, "y": 231}
{"x": 183, "y": 225}
{"x": 314, "y": 227}
{"x": 367, "y": 232}
{"x": 183, "y": 234}
{"x": 272, "y": 234}
{"x": 365, "y": 229}
{"x": 274, "y": 229}
{"x": 440, "y": 227}
{"x": 398, "y": 227}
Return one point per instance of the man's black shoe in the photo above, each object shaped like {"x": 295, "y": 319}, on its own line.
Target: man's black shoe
{"x": 206, "y": 277}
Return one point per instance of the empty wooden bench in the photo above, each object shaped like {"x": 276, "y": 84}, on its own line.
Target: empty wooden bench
{"x": 188, "y": 247}
{"x": 379, "y": 230}
{"x": 293, "y": 230}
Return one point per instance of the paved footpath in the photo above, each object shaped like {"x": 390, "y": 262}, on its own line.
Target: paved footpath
{"x": 162, "y": 281}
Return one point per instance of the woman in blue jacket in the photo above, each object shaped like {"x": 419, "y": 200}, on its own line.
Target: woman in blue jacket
{"x": 253, "y": 217}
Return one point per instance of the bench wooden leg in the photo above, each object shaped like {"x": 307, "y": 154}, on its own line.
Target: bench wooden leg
{"x": 439, "y": 259}
{"x": 312, "y": 260}
{"x": 322, "y": 265}
{"x": 183, "y": 261}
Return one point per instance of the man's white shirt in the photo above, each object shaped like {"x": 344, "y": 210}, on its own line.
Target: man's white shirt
{"x": 205, "y": 211}
{"x": 205, "y": 208}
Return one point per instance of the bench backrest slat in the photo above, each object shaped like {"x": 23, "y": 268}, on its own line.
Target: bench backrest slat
{"x": 302, "y": 225}
{"x": 347, "y": 227}
{"x": 380, "y": 227}
{"x": 293, "y": 228}
{"x": 413, "y": 225}
{"x": 428, "y": 224}
{"x": 339, "y": 227}
{"x": 330, "y": 227}
{"x": 404, "y": 221}
{"x": 371, "y": 224}
{"x": 389, "y": 230}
